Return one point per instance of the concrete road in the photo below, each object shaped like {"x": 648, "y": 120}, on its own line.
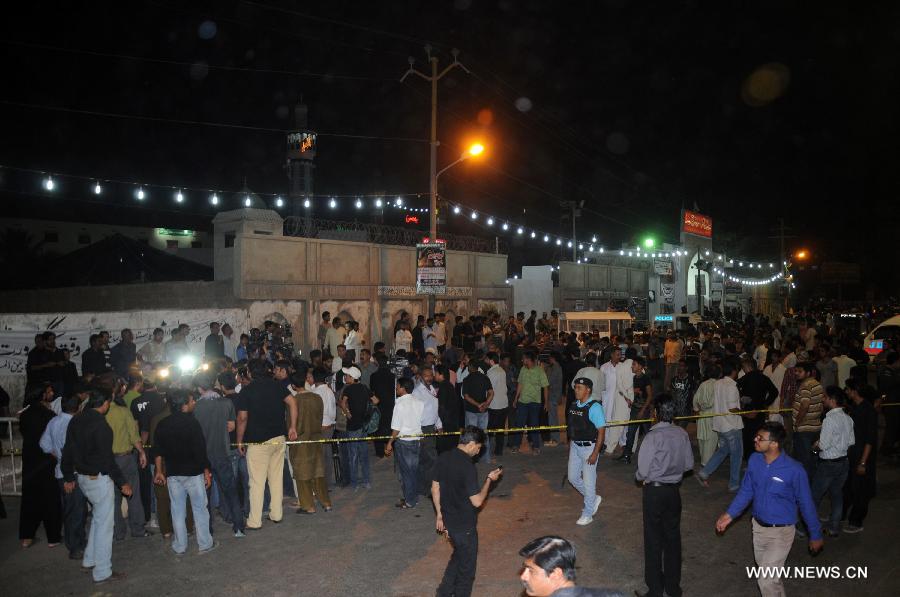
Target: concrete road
{"x": 368, "y": 547}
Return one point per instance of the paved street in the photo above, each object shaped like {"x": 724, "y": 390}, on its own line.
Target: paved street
{"x": 368, "y": 547}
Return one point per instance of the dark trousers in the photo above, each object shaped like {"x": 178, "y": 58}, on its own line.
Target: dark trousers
{"x": 662, "y": 540}
{"x": 344, "y": 455}
{"x": 427, "y": 458}
{"x": 229, "y": 503}
{"x": 512, "y": 440}
{"x": 146, "y": 490}
{"x": 857, "y": 493}
{"x": 74, "y": 518}
{"x": 460, "y": 573}
{"x": 751, "y": 426}
{"x": 497, "y": 420}
{"x": 40, "y": 503}
{"x": 633, "y": 429}
{"x": 803, "y": 443}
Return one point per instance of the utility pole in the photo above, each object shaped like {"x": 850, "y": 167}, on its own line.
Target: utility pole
{"x": 433, "y": 79}
{"x": 575, "y": 206}
{"x": 781, "y": 236}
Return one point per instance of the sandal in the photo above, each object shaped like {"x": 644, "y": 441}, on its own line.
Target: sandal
{"x": 26, "y": 543}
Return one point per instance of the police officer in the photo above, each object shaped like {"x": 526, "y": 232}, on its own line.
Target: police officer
{"x": 663, "y": 459}
{"x": 585, "y": 429}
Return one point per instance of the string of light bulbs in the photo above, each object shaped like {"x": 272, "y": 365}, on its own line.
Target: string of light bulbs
{"x": 52, "y": 182}
{"x": 593, "y": 247}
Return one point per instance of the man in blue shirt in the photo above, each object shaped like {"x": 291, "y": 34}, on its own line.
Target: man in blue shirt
{"x": 776, "y": 485}
{"x": 585, "y": 429}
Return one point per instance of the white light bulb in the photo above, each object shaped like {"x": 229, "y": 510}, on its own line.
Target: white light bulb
{"x": 378, "y": 202}
{"x": 580, "y": 246}
{"x": 332, "y": 204}
{"x": 771, "y": 265}
{"x": 247, "y": 201}
{"x": 179, "y": 197}
{"x": 515, "y": 276}
{"x": 49, "y": 184}
{"x": 306, "y": 203}
{"x": 569, "y": 244}
{"x": 558, "y": 242}
{"x": 214, "y": 199}
{"x": 399, "y": 201}
{"x": 279, "y": 202}
{"x": 519, "y": 230}
{"x": 533, "y": 234}
{"x": 621, "y": 252}
{"x": 707, "y": 253}
{"x": 97, "y": 189}
{"x": 140, "y": 194}
{"x": 474, "y": 215}
{"x": 629, "y": 253}
{"x": 740, "y": 263}
{"x": 591, "y": 249}
{"x": 593, "y": 239}
{"x": 505, "y": 226}
{"x": 358, "y": 204}
{"x": 456, "y": 209}
{"x": 490, "y": 221}
{"x": 601, "y": 249}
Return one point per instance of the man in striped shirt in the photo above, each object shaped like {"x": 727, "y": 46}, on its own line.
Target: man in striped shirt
{"x": 807, "y": 408}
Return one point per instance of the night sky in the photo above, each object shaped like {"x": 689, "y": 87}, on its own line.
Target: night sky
{"x": 751, "y": 111}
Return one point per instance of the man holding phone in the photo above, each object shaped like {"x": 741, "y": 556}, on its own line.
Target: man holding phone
{"x": 457, "y": 498}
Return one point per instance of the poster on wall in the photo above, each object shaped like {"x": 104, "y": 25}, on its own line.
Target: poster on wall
{"x": 662, "y": 268}
{"x": 732, "y": 287}
{"x": 668, "y": 293}
{"x": 431, "y": 268}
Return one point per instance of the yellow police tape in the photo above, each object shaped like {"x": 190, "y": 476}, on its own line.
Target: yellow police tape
{"x": 338, "y": 440}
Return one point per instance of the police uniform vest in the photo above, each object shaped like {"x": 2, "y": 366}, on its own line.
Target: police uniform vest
{"x": 580, "y": 427}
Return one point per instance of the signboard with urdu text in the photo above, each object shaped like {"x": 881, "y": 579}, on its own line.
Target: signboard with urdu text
{"x": 696, "y": 224}
{"x": 662, "y": 268}
{"x": 431, "y": 268}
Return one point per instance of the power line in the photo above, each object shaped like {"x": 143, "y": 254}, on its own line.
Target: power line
{"x": 165, "y": 61}
{"x": 201, "y": 122}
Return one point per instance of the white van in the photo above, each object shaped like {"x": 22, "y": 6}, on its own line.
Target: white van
{"x": 874, "y": 342}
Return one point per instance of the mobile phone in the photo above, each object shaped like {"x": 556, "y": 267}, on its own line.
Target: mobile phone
{"x": 500, "y": 467}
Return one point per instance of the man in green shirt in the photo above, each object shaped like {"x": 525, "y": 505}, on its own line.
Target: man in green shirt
{"x": 127, "y": 440}
{"x": 135, "y": 389}
{"x": 531, "y": 395}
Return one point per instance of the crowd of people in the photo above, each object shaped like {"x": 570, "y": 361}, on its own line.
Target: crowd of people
{"x": 185, "y": 446}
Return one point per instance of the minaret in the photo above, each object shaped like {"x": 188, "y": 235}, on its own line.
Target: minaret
{"x": 301, "y": 151}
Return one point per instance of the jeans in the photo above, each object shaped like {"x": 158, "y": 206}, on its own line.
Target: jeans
{"x": 181, "y": 488}
{"x": 359, "y": 459}
{"x": 731, "y": 445}
{"x": 553, "y": 419}
{"x": 830, "y": 478}
{"x": 101, "y": 493}
{"x": 344, "y": 458}
{"x": 496, "y": 420}
{"x": 529, "y": 415}
{"x": 223, "y": 474}
{"x": 583, "y": 476}
{"x": 74, "y": 518}
{"x": 479, "y": 420}
{"x": 406, "y": 452}
{"x": 128, "y": 464}
{"x": 239, "y": 469}
{"x": 459, "y": 575}
{"x": 803, "y": 443}
{"x": 633, "y": 430}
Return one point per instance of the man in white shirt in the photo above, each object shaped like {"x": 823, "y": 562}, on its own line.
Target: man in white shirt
{"x": 776, "y": 336}
{"x": 229, "y": 343}
{"x": 153, "y": 351}
{"x": 835, "y": 438}
{"x": 775, "y": 372}
{"x": 617, "y": 436}
{"x": 406, "y": 421}
{"x": 318, "y": 377}
{"x": 499, "y": 405}
{"x": 844, "y": 365}
{"x": 729, "y": 428}
{"x": 429, "y": 336}
{"x": 608, "y": 393}
{"x": 335, "y": 336}
{"x": 810, "y": 337}
{"x": 760, "y": 354}
{"x": 426, "y": 392}
{"x": 597, "y": 377}
{"x": 440, "y": 332}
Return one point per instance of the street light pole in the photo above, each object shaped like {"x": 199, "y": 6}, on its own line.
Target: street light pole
{"x": 433, "y": 79}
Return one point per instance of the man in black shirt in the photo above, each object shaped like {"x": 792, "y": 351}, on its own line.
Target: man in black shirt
{"x": 477, "y": 394}
{"x": 757, "y": 393}
{"x": 354, "y": 402}
{"x": 182, "y": 465}
{"x": 861, "y": 481}
{"x": 382, "y": 383}
{"x": 260, "y": 422}
{"x": 124, "y": 354}
{"x": 93, "y": 360}
{"x": 641, "y": 407}
{"x": 457, "y": 498}
{"x": 214, "y": 346}
{"x": 87, "y": 459}
{"x": 448, "y": 408}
